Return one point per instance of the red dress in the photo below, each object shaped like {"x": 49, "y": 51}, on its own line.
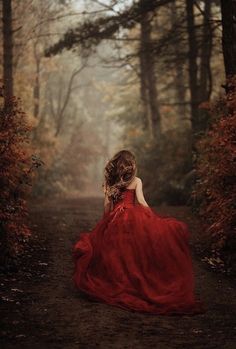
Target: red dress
{"x": 138, "y": 260}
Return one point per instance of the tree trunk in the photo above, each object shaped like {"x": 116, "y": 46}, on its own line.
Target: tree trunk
{"x": 148, "y": 76}
{"x": 205, "y": 55}
{"x": 146, "y": 114}
{"x": 37, "y": 89}
{"x": 228, "y": 10}
{"x": 180, "y": 79}
{"x": 193, "y": 67}
{"x": 205, "y": 78}
{"x": 152, "y": 91}
{"x": 7, "y": 48}
{"x": 200, "y": 80}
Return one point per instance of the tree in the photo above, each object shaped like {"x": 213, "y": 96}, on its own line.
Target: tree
{"x": 228, "y": 9}
{"x": 91, "y": 33}
{"x": 7, "y": 48}
{"x": 179, "y": 61}
{"x": 58, "y": 110}
{"x": 199, "y": 73}
{"x": 148, "y": 76}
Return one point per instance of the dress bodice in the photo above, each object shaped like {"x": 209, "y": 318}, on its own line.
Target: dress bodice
{"x": 128, "y": 197}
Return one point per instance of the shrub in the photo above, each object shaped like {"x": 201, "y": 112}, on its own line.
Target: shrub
{"x": 215, "y": 190}
{"x": 16, "y": 165}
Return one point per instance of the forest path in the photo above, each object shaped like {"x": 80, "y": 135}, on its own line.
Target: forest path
{"x": 41, "y": 309}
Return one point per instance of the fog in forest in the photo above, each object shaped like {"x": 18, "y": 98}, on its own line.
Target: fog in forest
{"x": 95, "y": 77}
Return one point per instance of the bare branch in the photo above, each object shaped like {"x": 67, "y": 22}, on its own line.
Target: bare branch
{"x": 61, "y": 109}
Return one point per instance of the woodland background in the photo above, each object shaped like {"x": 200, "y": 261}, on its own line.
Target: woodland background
{"x": 93, "y": 77}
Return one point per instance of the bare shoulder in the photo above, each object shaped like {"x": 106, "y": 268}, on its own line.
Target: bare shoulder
{"x": 134, "y": 183}
{"x": 138, "y": 180}
{"x": 138, "y": 183}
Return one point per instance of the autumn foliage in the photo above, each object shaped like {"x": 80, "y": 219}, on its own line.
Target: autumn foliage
{"x": 15, "y": 176}
{"x": 215, "y": 190}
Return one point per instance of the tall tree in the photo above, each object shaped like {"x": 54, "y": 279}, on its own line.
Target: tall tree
{"x": 199, "y": 62}
{"x": 7, "y": 47}
{"x": 193, "y": 67}
{"x": 36, "y": 88}
{"x": 148, "y": 77}
{"x": 228, "y": 10}
{"x": 179, "y": 80}
{"x": 205, "y": 79}
{"x": 146, "y": 115}
{"x": 58, "y": 110}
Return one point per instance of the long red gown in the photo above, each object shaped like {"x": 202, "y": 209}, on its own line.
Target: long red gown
{"x": 138, "y": 260}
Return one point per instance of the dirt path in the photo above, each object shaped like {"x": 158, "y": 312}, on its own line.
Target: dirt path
{"x": 41, "y": 309}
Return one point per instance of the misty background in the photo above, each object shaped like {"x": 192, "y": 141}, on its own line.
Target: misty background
{"x": 95, "y": 77}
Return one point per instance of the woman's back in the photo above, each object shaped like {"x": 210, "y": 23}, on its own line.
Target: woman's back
{"x": 136, "y": 184}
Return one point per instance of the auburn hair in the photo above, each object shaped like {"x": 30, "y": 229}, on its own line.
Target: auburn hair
{"x": 119, "y": 172}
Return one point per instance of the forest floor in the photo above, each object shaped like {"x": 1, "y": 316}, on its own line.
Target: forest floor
{"x": 41, "y": 309}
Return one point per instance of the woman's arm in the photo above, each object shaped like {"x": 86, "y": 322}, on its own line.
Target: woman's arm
{"x": 139, "y": 193}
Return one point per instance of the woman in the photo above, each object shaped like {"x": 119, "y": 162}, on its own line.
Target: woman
{"x": 134, "y": 258}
